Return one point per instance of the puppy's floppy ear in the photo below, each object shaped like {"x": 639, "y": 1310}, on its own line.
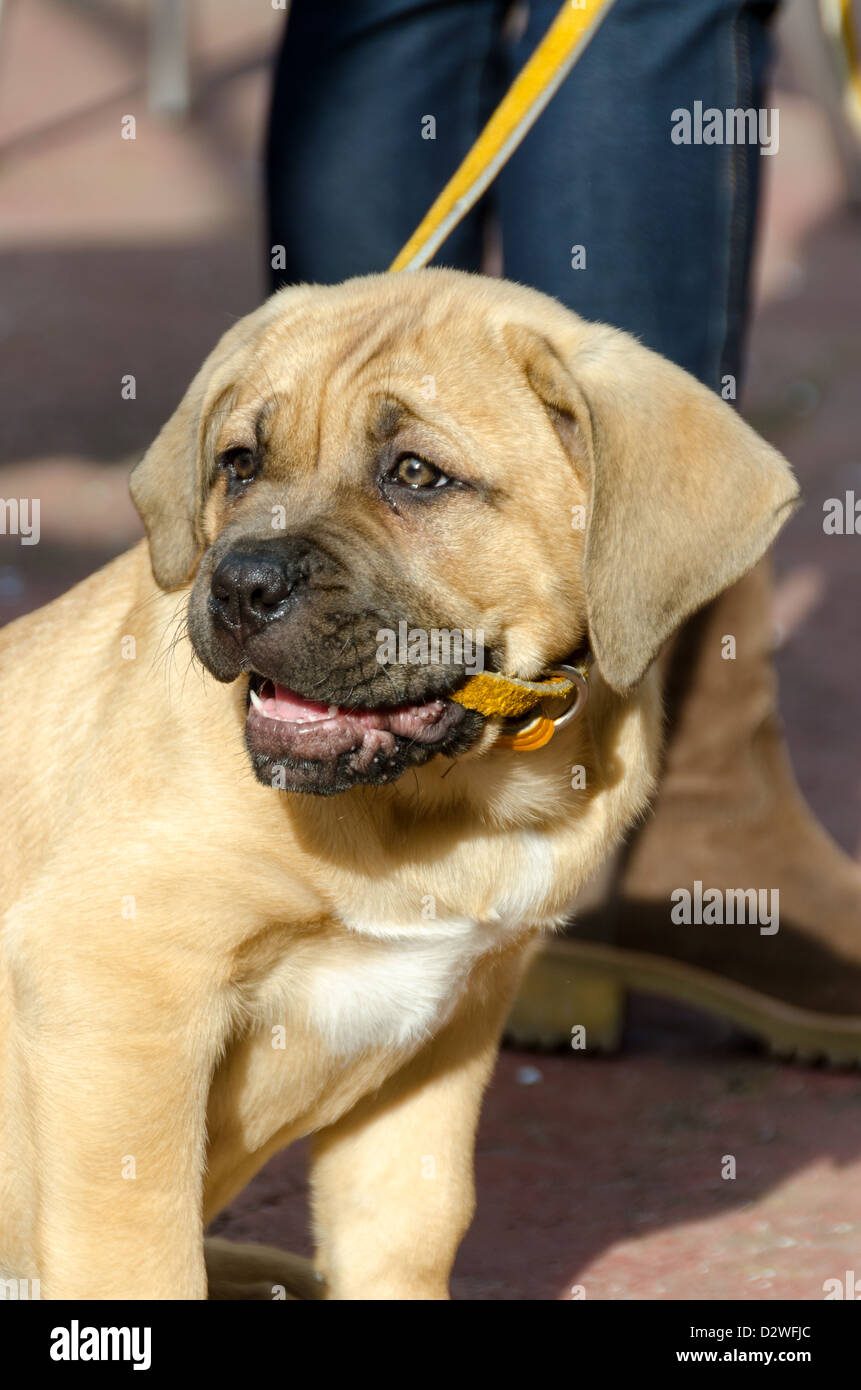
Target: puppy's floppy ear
{"x": 684, "y": 497}
{"x": 168, "y": 486}
{"x": 166, "y": 489}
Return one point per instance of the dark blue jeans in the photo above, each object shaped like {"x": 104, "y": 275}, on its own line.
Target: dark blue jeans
{"x": 667, "y": 229}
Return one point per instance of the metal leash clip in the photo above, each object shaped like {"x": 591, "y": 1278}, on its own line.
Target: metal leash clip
{"x": 535, "y": 730}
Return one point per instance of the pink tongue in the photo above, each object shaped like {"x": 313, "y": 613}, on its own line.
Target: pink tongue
{"x": 281, "y": 703}
{"x": 321, "y": 732}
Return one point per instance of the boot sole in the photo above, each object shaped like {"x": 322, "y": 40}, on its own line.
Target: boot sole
{"x": 572, "y": 984}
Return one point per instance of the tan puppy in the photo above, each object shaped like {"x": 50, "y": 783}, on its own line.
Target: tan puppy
{"x": 199, "y": 963}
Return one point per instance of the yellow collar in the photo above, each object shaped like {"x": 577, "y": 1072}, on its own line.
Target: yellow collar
{"x": 505, "y": 697}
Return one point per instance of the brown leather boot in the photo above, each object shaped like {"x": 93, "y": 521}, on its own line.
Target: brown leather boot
{"x": 729, "y": 816}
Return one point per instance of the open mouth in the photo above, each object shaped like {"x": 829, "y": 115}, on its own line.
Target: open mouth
{"x": 328, "y": 748}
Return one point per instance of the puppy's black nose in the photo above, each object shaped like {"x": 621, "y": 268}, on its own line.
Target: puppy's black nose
{"x": 248, "y": 590}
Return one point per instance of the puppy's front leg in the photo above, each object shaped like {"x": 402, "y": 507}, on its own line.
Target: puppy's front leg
{"x": 393, "y": 1188}
{"x": 116, "y": 1102}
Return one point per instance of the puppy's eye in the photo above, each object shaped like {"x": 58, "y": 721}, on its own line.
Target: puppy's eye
{"x": 414, "y": 472}
{"x": 240, "y": 465}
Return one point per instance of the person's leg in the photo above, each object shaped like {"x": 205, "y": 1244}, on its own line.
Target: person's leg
{"x": 374, "y": 104}
{"x": 666, "y": 229}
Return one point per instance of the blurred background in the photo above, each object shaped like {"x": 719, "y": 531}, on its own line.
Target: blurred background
{"x": 129, "y": 258}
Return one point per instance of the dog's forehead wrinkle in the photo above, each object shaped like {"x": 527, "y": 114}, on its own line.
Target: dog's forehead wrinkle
{"x": 407, "y": 330}
{"x": 237, "y": 426}
{"x": 388, "y": 417}
{"x": 374, "y": 343}
{"x": 265, "y": 415}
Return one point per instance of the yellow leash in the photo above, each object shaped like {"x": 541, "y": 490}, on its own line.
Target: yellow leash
{"x": 838, "y": 22}
{"x": 521, "y": 106}
{"x": 491, "y": 694}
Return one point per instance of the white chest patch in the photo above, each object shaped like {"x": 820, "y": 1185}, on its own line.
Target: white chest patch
{"x": 393, "y": 984}
{"x": 392, "y": 992}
